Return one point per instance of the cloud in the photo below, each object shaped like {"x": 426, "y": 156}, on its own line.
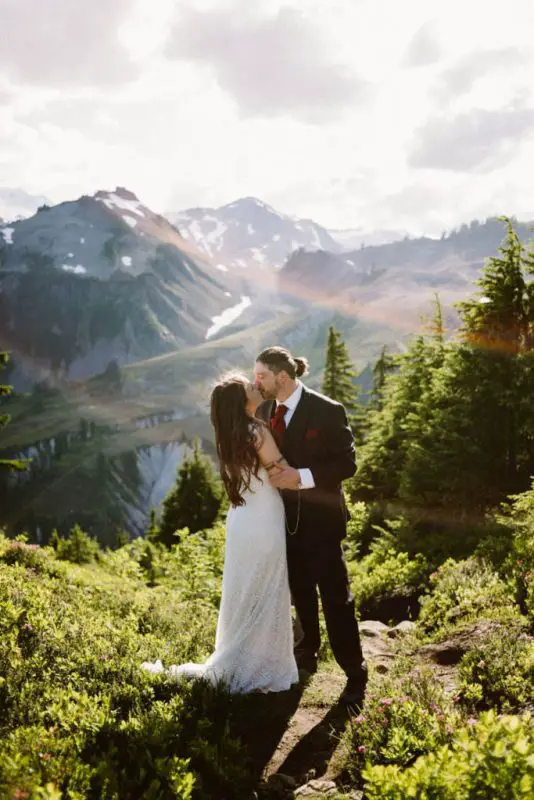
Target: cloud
{"x": 271, "y": 66}
{"x": 64, "y": 43}
{"x": 476, "y": 141}
{"x": 425, "y": 48}
{"x": 459, "y": 79}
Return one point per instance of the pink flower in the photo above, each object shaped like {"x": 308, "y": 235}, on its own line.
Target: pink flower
{"x": 362, "y": 748}
{"x": 471, "y": 721}
{"x": 456, "y": 698}
{"x": 27, "y": 626}
{"x": 449, "y": 729}
{"x": 104, "y": 657}
{"x": 386, "y": 701}
{"x": 360, "y": 719}
{"x": 481, "y": 663}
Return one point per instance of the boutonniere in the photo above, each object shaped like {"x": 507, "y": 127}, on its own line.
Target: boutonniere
{"x": 311, "y": 433}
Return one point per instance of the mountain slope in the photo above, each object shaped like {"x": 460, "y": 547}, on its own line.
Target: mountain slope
{"x": 249, "y": 232}
{"x": 102, "y": 278}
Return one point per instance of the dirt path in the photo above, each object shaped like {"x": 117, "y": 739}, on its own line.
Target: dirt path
{"x": 311, "y": 748}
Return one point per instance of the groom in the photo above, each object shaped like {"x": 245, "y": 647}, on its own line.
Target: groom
{"x": 313, "y": 434}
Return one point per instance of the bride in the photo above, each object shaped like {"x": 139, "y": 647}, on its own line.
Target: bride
{"x": 254, "y": 639}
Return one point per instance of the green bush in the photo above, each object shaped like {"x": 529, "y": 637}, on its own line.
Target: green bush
{"x": 404, "y": 719}
{"x": 386, "y": 574}
{"x": 492, "y": 759}
{"x": 80, "y": 719}
{"x": 78, "y": 547}
{"x": 462, "y": 592}
{"x": 500, "y": 672}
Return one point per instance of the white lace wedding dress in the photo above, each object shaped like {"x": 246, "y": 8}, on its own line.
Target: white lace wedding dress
{"x": 254, "y": 640}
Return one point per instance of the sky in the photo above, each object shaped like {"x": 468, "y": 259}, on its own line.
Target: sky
{"x": 404, "y": 115}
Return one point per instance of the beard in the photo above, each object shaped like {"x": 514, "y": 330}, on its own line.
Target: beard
{"x": 269, "y": 394}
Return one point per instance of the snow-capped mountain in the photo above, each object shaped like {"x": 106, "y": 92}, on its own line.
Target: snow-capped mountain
{"x": 17, "y": 204}
{"x": 103, "y": 278}
{"x": 249, "y": 232}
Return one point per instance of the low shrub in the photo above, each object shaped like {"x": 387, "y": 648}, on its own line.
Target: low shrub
{"x": 491, "y": 758}
{"x": 499, "y": 673}
{"x": 462, "y": 592}
{"x": 403, "y": 718}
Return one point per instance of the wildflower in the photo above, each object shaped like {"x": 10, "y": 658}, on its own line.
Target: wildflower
{"x": 481, "y": 663}
{"x": 362, "y": 748}
{"x": 386, "y": 701}
{"x": 360, "y": 719}
{"x": 104, "y": 657}
{"x": 456, "y": 698}
{"x": 449, "y": 729}
{"x": 27, "y": 626}
{"x": 471, "y": 721}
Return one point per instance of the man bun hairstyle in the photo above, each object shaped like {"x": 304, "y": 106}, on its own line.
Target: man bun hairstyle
{"x": 278, "y": 359}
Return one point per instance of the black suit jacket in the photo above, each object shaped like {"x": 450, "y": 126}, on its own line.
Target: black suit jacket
{"x": 318, "y": 437}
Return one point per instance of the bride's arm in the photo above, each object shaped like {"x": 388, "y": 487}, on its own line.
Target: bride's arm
{"x": 268, "y": 452}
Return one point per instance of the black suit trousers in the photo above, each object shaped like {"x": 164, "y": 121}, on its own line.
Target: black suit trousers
{"x": 322, "y": 566}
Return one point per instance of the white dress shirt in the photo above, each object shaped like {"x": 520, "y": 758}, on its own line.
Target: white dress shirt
{"x": 306, "y": 477}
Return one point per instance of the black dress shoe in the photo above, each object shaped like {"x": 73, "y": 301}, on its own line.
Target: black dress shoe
{"x": 354, "y": 693}
{"x": 306, "y": 662}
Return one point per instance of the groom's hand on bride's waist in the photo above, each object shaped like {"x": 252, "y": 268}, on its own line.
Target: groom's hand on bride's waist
{"x": 287, "y": 478}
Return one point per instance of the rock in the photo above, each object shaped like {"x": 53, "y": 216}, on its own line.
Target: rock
{"x": 278, "y": 786}
{"x": 371, "y": 627}
{"x": 404, "y": 627}
{"x": 392, "y": 608}
{"x": 315, "y": 787}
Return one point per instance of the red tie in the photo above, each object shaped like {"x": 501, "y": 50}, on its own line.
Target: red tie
{"x": 278, "y": 425}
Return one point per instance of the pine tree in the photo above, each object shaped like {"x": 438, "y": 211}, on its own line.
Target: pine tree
{"x": 393, "y": 425}
{"x": 476, "y": 424}
{"x": 195, "y": 500}
{"x": 338, "y": 381}
{"x": 8, "y": 464}
{"x": 152, "y": 532}
{"x": 382, "y": 368}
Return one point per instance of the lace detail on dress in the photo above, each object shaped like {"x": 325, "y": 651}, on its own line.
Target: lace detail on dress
{"x": 254, "y": 640}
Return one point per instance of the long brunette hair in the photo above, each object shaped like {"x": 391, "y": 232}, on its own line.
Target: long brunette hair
{"x": 234, "y": 436}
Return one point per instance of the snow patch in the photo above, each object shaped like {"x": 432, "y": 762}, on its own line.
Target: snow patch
{"x": 77, "y": 270}
{"x": 228, "y": 294}
{"x": 114, "y": 201}
{"x": 70, "y": 255}
{"x": 82, "y": 240}
{"x": 130, "y": 220}
{"x": 228, "y": 316}
{"x": 127, "y": 261}
{"x": 250, "y": 229}
{"x": 7, "y": 233}
{"x": 276, "y": 237}
{"x": 258, "y": 255}
{"x": 348, "y": 261}
{"x": 221, "y": 267}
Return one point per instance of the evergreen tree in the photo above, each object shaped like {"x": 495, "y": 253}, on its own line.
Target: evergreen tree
{"x": 476, "y": 423}
{"x": 8, "y": 464}
{"x": 393, "y": 425}
{"x": 382, "y": 368}
{"x": 338, "y": 381}
{"x": 195, "y": 500}
{"x": 152, "y": 532}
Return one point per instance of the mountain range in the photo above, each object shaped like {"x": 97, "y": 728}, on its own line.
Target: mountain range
{"x": 119, "y": 319}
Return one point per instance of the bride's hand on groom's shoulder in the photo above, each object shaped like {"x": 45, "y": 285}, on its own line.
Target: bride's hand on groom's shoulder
{"x": 286, "y": 478}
